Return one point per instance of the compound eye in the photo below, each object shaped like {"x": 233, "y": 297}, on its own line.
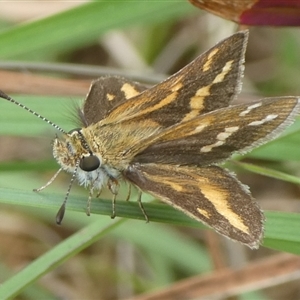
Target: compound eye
{"x": 73, "y": 130}
{"x": 89, "y": 163}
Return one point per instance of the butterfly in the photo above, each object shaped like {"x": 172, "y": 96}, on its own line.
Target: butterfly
{"x": 168, "y": 140}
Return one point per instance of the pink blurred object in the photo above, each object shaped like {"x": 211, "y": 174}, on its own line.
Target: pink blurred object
{"x": 254, "y": 12}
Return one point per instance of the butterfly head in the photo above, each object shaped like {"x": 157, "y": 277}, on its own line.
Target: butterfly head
{"x": 73, "y": 151}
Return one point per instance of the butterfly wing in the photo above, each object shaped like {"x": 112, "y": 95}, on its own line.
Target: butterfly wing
{"x": 208, "y": 194}
{"x": 209, "y": 82}
{"x": 214, "y": 137}
{"x": 105, "y": 94}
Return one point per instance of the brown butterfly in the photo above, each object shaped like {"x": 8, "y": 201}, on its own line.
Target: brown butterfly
{"x": 169, "y": 139}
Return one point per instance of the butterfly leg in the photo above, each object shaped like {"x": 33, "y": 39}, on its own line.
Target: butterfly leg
{"x": 113, "y": 186}
{"x": 88, "y": 206}
{"x": 99, "y": 193}
{"x": 141, "y": 206}
{"x": 129, "y": 192}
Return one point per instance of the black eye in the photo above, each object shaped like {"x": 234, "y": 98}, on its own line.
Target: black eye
{"x": 73, "y": 130}
{"x": 89, "y": 163}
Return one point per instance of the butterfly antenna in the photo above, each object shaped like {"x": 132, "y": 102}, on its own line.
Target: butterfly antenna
{"x": 6, "y": 97}
{"x": 61, "y": 212}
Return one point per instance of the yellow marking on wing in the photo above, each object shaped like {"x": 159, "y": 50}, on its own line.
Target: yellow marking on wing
{"x": 177, "y": 86}
{"x": 163, "y": 179}
{"x": 197, "y": 100}
{"x": 175, "y": 186}
{"x": 189, "y": 128}
{"x": 167, "y": 100}
{"x": 220, "y": 77}
{"x": 192, "y": 114}
{"x": 219, "y": 198}
{"x": 203, "y": 212}
{"x": 207, "y": 64}
{"x": 129, "y": 90}
{"x": 196, "y": 103}
{"x": 144, "y": 103}
{"x": 186, "y": 129}
{"x": 110, "y": 97}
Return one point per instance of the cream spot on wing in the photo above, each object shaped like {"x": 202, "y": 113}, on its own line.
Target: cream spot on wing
{"x": 207, "y": 64}
{"x": 177, "y": 86}
{"x": 200, "y": 128}
{"x": 220, "y": 77}
{"x": 221, "y": 138}
{"x": 249, "y": 108}
{"x": 228, "y": 132}
{"x": 129, "y": 90}
{"x": 263, "y": 121}
{"x": 197, "y": 129}
{"x": 232, "y": 129}
{"x": 203, "y": 212}
{"x": 110, "y": 97}
{"x": 219, "y": 198}
{"x": 208, "y": 148}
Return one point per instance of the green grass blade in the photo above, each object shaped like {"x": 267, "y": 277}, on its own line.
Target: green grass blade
{"x": 283, "y": 227}
{"x": 268, "y": 172}
{"x": 282, "y": 232}
{"x": 285, "y": 147}
{"x": 83, "y": 25}
{"x": 55, "y": 257}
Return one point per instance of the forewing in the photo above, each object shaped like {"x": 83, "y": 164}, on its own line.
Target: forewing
{"x": 209, "y": 82}
{"x": 208, "y": 194}
{"x": 106, "y": 93}
{"x": 213, "y": 137}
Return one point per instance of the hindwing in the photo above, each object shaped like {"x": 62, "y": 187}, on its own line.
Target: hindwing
{"x": 208, "y": 194}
